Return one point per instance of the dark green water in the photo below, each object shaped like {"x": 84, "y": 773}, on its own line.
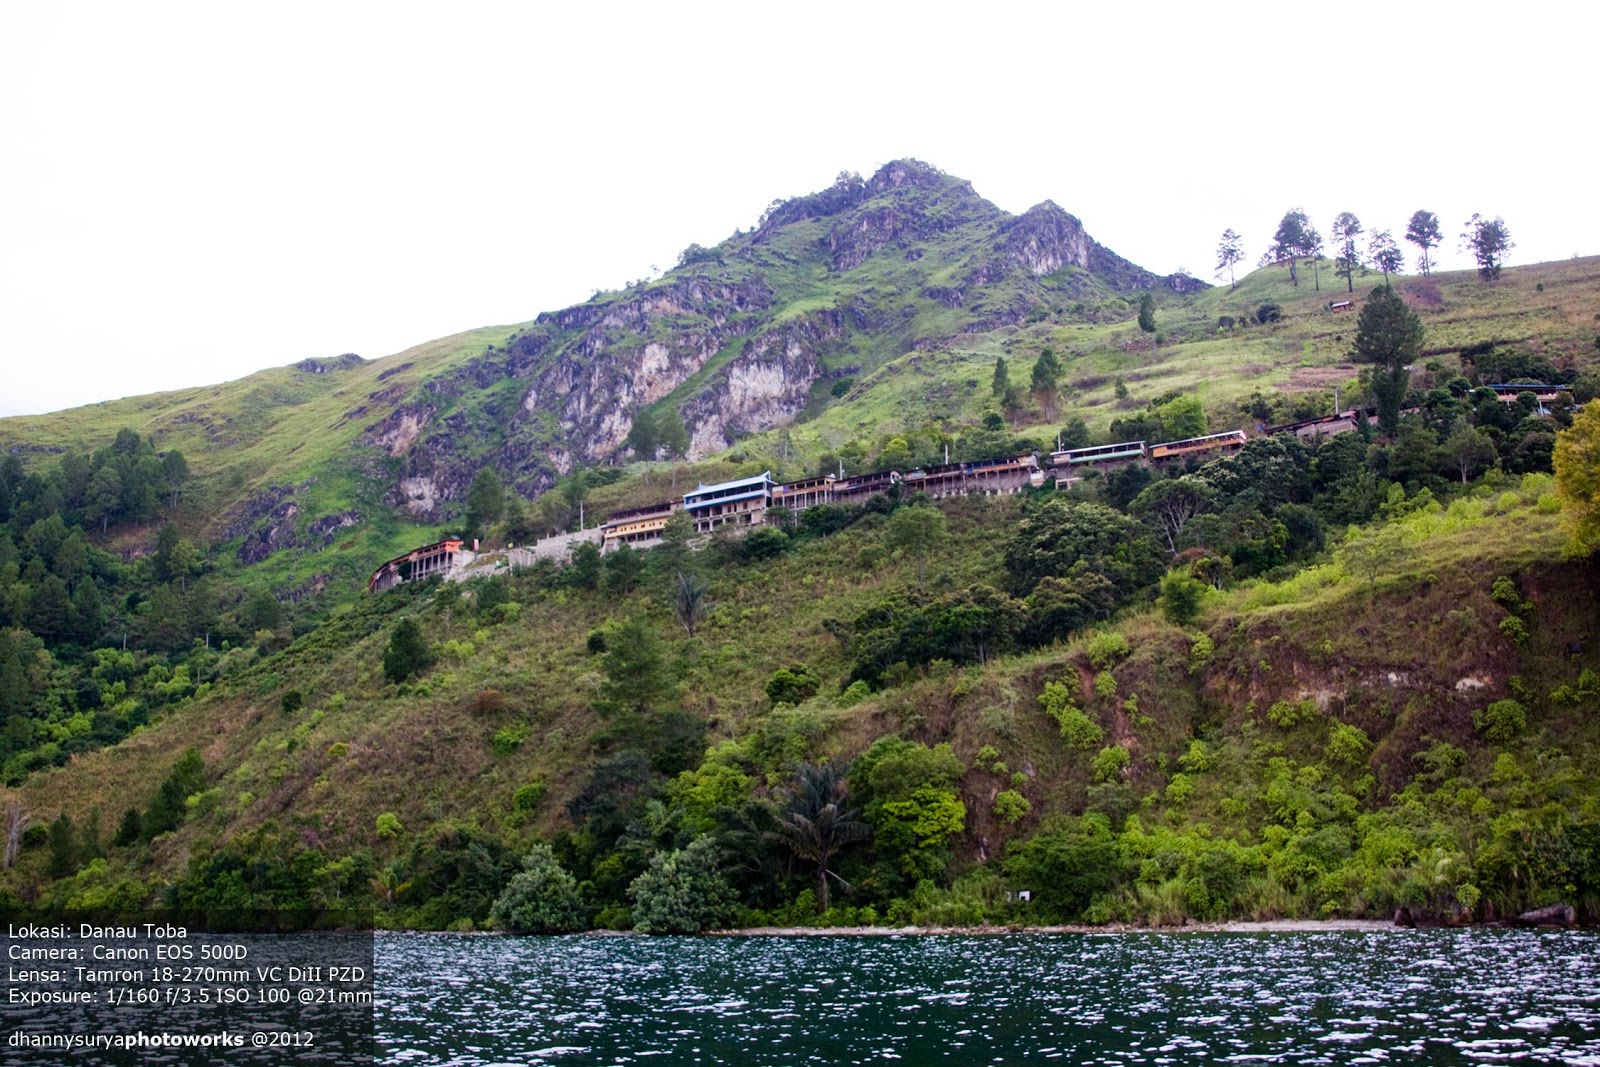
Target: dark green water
{"x": 1389, "y": 997}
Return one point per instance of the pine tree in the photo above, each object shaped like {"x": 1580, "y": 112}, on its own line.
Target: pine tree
{"x": 1423, "y": 231}
{"x": 1229, "y": 252}
{"x": 1389, "y": 337}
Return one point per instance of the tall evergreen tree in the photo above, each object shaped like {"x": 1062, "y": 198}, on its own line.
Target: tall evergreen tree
{"x": 1347, "y": 256}
{"x": 1147, "y": 312}
{"x": 1388, "y": 339}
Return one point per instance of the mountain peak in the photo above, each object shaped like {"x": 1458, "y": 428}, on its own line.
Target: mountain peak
{"x": 904, "y": 172}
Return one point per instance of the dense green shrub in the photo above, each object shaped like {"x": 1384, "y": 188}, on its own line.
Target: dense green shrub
{"x": 1105, "y": 648}
{"x": 542, "y": 898}
{"x": 1502, "y": 721}
{"x": 407, "y": 653}
{"x": 791, "y": 685}
{"x": 1010, "y": 805}
{"x": 1077, "y": 729}
{"x": 530, "y": 796}
{"x": 1347, "y": 744}
{"x": 683, "y": 892}
{"x": 1065, "y": 866}
{"x": 508, "y": 739}
{"x": 1109, "y": 763}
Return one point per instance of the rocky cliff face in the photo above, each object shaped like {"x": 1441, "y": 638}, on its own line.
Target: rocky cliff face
{"x": 565, "y": 392}
{"x": 1045, "y": 238}
{"x": 766, "y": 385}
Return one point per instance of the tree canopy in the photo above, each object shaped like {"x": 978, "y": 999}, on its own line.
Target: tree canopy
{"x": 1388, "y": 338}
{"x": 1230, "y": 250}
{"x": 1347, "y": 255}
{"x": 1488, "y": 240}
{"x": 1423, "y": 231}
{"x": 1577, "y": 463}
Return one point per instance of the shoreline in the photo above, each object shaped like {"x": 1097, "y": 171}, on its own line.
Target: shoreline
{"x": 1273, "y": 926}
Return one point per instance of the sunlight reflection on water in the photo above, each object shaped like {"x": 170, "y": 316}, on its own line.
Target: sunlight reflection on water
{"x": 1390, "y": 997}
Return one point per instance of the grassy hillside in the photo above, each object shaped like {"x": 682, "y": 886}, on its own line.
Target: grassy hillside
{"x": 1331, "y": 711}
{"x": 1362, "y": 676}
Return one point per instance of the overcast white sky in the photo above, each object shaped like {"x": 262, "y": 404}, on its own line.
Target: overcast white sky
{"x": 192, "y": 192}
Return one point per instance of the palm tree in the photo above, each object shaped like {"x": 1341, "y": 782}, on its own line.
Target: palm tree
{"x": 689, "y": 603}
{"x": 815, "y": 824}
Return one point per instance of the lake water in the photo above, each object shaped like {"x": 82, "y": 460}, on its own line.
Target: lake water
{"x": 1384, "y": 997}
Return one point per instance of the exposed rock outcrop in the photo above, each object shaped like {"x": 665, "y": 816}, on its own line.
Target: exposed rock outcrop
{"x": 768, "y": 383}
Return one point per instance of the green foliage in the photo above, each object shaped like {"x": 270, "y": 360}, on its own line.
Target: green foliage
{"x": 1422, "y": 230}
{"x": 1147, "y": 312}
{"x": 1488, "y": 240}
{"x": 388, "y": 825}
{"x": 816, "y": 822}
{"x": 293, "y": 700}
{"x": 1389, "y": 339}
{"x": 542, "y": 898}
{"x": 1514, "y": 630}
{"x": 1106, "y": 648}
{"x": 1181, "y": 596}
{"x": 764, "y": 542}
{"x": 1063, "y": 538}
{"x": 791, "y": 685}
{"x": 683, "y": 892}
{"x": 1077, "y": 729}
{"x": 1109, "y": 763}
{"x": 64, "y": 852}
{"x": 1000, "y": 383}
{"x": 1201, "y": 651}
{"x": 1504, "y": 592}
{"x": 1577, "y": 469}
{"x": 911, "y": 803}
{"x": 1199, "y": 759}
{"x": 170, "y": 805}
{"x": 1502, "y": 721}
{"x": 690, "y": 604}
{"x": 1065, "y": 866}
{"x": 408, "y": 652}
{"x": 486, "y": 501}
{"x": 717, "y": 788}
{"x": 508, "y": 739}
{"x": 530, "y": 796}
{"x": 1347, "y": 744}
{"x": 1011, "y": 806}
{"x": 918, "y": 532}
{"x": 635, "y": 666}
{"x": 1288, "y": 714}
{"x": 586, "y": 567}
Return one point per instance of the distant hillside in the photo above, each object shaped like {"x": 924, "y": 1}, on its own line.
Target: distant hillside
{"x": 739, "y": 338}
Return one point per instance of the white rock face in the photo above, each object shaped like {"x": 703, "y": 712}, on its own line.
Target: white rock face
{"x": 398, "y": 437}
{"x": 708, "y": 438}
{"x": 421, "y": 495}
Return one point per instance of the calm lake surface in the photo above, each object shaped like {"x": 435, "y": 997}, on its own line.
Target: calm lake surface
{"x": 1386, "y": 997}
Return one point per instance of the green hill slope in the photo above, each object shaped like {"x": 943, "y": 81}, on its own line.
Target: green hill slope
{"x": 1378, "y": 690}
